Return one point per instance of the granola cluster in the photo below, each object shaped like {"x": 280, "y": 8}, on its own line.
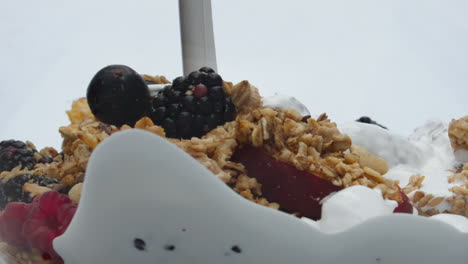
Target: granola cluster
{"x": 458, "y": 133}
{"x": 427, "y": 204}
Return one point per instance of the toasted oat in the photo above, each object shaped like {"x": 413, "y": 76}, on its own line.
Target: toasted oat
{"x": 458, "y": 133}
{"x": 245, "y": 97}
{"x": 75, "y": 193}
{"x": 156, "y": 79}
{"x": 367, "y": 159}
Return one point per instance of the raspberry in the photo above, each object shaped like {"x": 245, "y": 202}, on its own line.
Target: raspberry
{"x": 192, "y": 106}
{"x": 51, "y": 202}
{"x": 37, "y": 224}
{"x": 14, "y": 153}
{"x": 12, "y": 223}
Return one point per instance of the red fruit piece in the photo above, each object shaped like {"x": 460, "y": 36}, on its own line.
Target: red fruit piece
{"x": 37, "y": 224}
{"x": 404, "y": 206}
{"x": 200, "y": 90}
{"x": 11, "y": 224}
{"x": 50, "y": 202}
{"x": 296, "y": 191}
{"x": 64, "y": 217}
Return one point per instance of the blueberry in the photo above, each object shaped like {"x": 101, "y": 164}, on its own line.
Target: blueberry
{"x": 216, "y": 93}
{"x": 118, "y": 95}
{"x": 213, "y": 79}
{"x": 206, "y": 69}
{"x": 365, "y": 119}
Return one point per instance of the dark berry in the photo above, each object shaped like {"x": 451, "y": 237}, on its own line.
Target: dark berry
{"x": 184, "y": 120}
{"x": 118, "y": 95}
{"x": 213, "y": 79}
{"x": 14, "y": 153}
{"x": 218, "y": 107}
{"x": 12, "y": 190}
{"x": 194, "y": 109}
{"x": 173, "y": 96}
{"x": 166, "y": 90}
{"x": 365, "y": 119}
{"x": 200, "y": 90}
{"x": 204, "y": 105}
{"x": 173, "y": 110}
{"x": 139, "y": 244}
{"x": 368, "y": 120}
{"x": 188, "y": 103}
{"x": 159, "y": 113}
{"x": 159, "y": 100}
{"x": 216, "y": 93}
{"x": 169, "y": 127}
{"x": 198, "y": 123}
{"x": 196, "y": 77}
{"x": 206, "y": 69}
{"x": 180, "y": 83}
{"x": 229, "y": 110}
{"x": 45, "y": 159}
{"x": 213, "y": 120}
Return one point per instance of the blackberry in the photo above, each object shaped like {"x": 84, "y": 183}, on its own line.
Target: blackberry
{"x": 206, "y": 69}
{"x": 12, "y": 189}
{"x": 368, "y": 120}
{"x": 193, "y": 105}
{"x": 118, "y": 95}
{"x": 14, "y": 153}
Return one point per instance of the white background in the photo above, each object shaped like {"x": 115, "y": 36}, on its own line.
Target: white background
{"x": 400, "y": 62}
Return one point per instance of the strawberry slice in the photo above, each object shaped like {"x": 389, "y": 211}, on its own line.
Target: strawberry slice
{"x": 296, "y": 191}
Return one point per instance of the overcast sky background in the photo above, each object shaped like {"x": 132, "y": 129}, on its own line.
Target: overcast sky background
{"x": 400, "y": 62}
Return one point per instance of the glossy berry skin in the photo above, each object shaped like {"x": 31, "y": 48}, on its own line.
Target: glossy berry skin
{"x": 213, "y": 79}
{"x": 206, "y": 69}
{"x": 192, "y": 105}
{"x": 118, "y": 95}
